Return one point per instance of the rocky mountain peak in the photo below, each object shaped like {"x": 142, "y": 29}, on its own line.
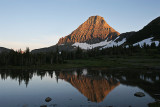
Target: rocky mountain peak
{"x": 95, "y": 19}
{"x": 94, "y": 30}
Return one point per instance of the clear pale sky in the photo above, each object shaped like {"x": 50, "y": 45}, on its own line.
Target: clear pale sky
{"x": 40, "y": 23}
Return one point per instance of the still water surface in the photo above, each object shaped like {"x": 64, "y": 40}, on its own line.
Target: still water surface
{"x": 76, "y": 88}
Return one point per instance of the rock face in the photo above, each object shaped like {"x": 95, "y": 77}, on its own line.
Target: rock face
{"x": 94, "y": 30}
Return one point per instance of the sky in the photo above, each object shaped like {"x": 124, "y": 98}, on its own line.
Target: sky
{"x": 40, "y": 23}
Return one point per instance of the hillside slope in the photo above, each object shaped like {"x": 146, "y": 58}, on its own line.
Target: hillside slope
{"x": 2, "y": 49}
{"x": 150, "y": 30}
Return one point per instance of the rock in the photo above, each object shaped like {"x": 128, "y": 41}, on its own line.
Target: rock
{"x": 43, "y": 106}
{"x": 139, "y": 94}
{"x": 48, "y": 99}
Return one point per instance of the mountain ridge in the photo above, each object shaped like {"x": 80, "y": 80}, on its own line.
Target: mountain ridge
{"x": 152, "y": 29}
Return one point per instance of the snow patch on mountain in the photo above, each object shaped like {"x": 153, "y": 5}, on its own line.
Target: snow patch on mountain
{"x": 113, "y": 43}
{"x": 147, "y": 42}
{"x": 104, "y": 44}
{"x": 90, "y": 46}
{"x": 107, "y": 44}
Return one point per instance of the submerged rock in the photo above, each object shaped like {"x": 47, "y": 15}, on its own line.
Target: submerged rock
{"x": 48, "y": 99}
{"x": 43, "y": 106}
{"x": 25, "y": 105}
{"x": 139, "y": 94}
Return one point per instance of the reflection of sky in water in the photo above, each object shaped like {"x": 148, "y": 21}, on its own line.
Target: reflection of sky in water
{"x": 63, "y": 93}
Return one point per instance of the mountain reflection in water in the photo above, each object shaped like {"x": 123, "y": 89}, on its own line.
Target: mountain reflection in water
{"x": 95, "y": 88}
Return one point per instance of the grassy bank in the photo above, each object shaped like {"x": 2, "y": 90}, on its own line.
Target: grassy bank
{"x": 136, "y": 62}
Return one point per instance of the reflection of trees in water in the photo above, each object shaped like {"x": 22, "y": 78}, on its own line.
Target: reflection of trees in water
{"x": 23, "y": 75}
{"x": 92, "y": 81}
{"x": 17, "y": 75}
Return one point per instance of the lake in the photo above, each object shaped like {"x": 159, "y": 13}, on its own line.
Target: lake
{"x": 90, "y": 87}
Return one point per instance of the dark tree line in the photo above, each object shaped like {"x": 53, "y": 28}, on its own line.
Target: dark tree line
{"x": 19, "y": 58}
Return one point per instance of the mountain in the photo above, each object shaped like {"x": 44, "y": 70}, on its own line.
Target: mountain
{"x": 96, "y": 33}
{"x": 94, "y": 30}
{"x": 2, "y": 49}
